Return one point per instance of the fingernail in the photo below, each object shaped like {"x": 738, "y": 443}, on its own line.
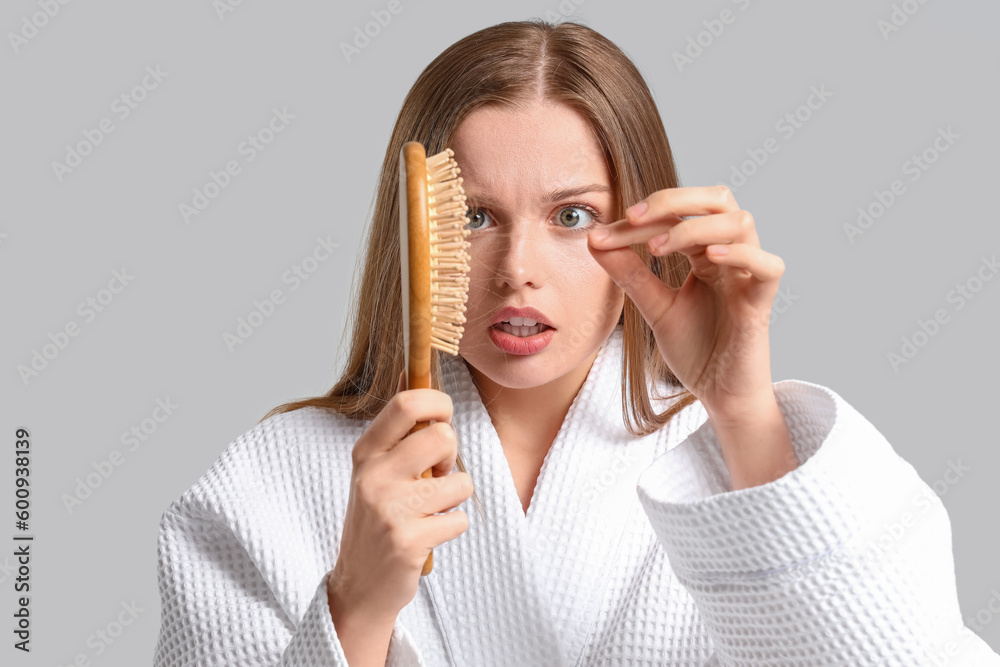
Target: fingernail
{"x": 599, "y": 234}
{"x": 636, "y": 210}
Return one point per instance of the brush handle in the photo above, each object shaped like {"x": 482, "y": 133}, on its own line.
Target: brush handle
{"x": 415, "y": 257}
{"x": 429, "y": 563}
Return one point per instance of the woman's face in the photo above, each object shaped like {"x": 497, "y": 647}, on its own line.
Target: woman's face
{"x": 537, "y": 183}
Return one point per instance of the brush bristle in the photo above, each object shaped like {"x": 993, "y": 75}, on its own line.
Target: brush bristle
{"x": 447, "y": 217}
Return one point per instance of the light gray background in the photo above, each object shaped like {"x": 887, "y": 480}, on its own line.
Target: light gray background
{"x": 162, "y": 336}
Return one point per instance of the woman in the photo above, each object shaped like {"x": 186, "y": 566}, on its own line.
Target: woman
{"x": 646, "y": 494}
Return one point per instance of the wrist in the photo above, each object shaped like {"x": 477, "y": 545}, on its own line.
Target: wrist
{"x": 348, "y": 609}
{"x": 365, "y": 639}
{"x": 755, "y": 443}
{"x": 736, "y": 412}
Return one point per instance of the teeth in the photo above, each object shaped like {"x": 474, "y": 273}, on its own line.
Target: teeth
{"x": 521, "y": 332}
{"x": 521, "y": 322}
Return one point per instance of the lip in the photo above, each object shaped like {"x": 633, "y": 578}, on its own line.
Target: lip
{"x": 526, "y": 311}
{"x": 521, "y": 346}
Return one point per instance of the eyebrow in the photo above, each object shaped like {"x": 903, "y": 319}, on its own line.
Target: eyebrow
{"x": 551, "y": 197}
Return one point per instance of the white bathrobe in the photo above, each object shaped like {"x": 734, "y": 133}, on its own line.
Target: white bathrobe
{"x": 634, "y": 551}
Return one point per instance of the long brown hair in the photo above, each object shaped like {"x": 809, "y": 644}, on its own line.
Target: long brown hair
{"x": 508, "y": 65}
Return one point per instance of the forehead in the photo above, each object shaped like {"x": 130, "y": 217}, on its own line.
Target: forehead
{"x": 539, "y": 147}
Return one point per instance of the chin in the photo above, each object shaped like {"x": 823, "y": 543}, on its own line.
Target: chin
{"x": 510, "y": 379}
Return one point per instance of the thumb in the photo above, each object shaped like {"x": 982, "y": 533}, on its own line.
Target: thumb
{"x": 401, "y": 385}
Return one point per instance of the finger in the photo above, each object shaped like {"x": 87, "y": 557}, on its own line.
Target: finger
{"x": 440, "y": 494}
{"x": 678, "y": 202}
{"x": 426, "y": 497}
{"x": 629, "y": 272}
{"x": 440, "y": 528}
{"x": 401, "y": 385}
{"x": 398, "y": 418}
{"x": 759, "y": 263}
{"x": 622, "y": 233}
{"x": 737, "y": 227}
{"x": 435, "y": 447}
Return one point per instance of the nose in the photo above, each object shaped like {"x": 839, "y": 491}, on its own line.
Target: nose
{"x": 520, "y": 256}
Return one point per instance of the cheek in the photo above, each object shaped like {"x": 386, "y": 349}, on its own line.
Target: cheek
{"x": 482, "y": 260}
{"x": 582, "y": 280}
{"x": 574, "y": 257}
{"x": 604, "y": 293}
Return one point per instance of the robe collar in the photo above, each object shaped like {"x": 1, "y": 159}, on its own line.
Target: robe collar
{"x": 527, "y": 589}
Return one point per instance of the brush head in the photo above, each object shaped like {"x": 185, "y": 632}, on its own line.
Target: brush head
{"x": 433, "y": 255}
{"x": 447, "y": 218}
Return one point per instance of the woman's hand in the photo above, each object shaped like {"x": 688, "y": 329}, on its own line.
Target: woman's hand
{"x": 391, "y": 522}
{"x": 713, "y": 330}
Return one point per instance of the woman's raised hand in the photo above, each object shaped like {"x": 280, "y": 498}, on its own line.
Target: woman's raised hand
{"x": 391, "y": 523}
{"x": 713, "y": 330}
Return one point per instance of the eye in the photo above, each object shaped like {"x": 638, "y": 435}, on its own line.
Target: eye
{"x": 570, "y": 215}
{"x": 577, "y": 217}
{"x": 474, "y": 215}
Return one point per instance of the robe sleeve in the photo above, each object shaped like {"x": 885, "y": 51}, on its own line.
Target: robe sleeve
{"x": 217, "y": 608}
{"x": 845, "y": 560}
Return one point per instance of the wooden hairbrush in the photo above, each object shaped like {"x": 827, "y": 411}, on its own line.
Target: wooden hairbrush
{"x": 434, "y": 259}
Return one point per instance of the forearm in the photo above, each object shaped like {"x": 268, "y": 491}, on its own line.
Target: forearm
{"x": 755, "y": 442}
{"x": 365, "y": 640}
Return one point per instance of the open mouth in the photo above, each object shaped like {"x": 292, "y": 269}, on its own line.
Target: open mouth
{"x": 523, "y": 339}
{"x": 521, "y": 331}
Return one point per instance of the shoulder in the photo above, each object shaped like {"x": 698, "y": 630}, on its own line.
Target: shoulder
{"x": 269, "y": 512}
{"x": 284, "y": 461}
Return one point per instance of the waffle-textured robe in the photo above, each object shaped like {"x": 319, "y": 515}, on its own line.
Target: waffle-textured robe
{"x": 634, "y": 551}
